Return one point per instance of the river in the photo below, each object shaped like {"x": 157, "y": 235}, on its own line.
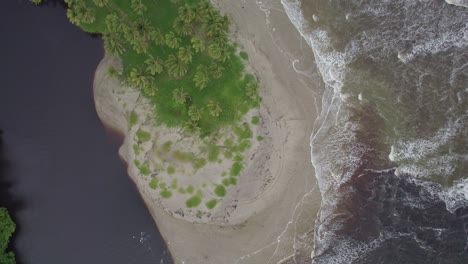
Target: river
{"x": 73, "y": 201}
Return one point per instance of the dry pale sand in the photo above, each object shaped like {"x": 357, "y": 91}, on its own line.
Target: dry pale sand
{"x": 273, "y": 225}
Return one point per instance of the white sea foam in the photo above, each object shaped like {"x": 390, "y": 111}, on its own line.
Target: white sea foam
{"x": 463, "y": 3}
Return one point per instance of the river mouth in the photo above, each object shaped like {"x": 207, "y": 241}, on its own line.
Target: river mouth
{"x": 61, "y": 177}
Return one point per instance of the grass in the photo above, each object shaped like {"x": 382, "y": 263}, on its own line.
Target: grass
{"x": 236, "y": 168}
{"x": 166, "y": 194}
{"x": 133, "y": 119}
{"x": 244, "y": 55}
{"x": 154, "y": 183}
{"x": 143, "y": 136}
{"x": 170, "y": 170}
{"x": 220, "y": 191}
{"x": 255, "y": 120}
{"x": 193, "y": 201}
{"x": 211, "y": 204}
{"x": 145, "y": 170}
{"x": 230, "y": 90}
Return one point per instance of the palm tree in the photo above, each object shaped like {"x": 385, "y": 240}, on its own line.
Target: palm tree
{"x": 201, "y": 78}
{"x": 154, "y": 65}
{"x": 214, "y": 51}
{"x": 101, "y": 3}
{"x": 138, "y": 6}
{"x": 186, "y": 13}
{"x": 203, "y": 8}
{"x": 176, "y": 67}
{"x": 172, "y": 41}
{"x": 183, "y": 27}
{"x": 112, "y": 72}
{"x": 197, "y": 44}
{"x": 139, "y": 43}
{"x": 224, "y": 23}
{"x": 144, "y": 27}
{"x": 149, "y": 90}
{"x": 113, "y": 44}
{"x": 191, "y": 127}
{"x": 138, "y": 78}
{"x": 216, "y": 70}
{"x": 86, "y": 13}
{"x": 179, "y": 96}
{"x": 79, "y": 13}
{"x": 220, "y": 38}
{"x": 212, "y": 23}
{"x": 251, "y": 89}
{"x": 157, "y": 37}
{"x": 194, "y": 113}
{"x": 214, "y": 108}
{"x": 185, "y": 54}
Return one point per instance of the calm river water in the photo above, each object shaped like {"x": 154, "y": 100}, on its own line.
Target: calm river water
{"x": 74, "y": 201}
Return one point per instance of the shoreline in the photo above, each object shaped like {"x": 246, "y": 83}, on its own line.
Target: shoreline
{"x": 291, "y": 198}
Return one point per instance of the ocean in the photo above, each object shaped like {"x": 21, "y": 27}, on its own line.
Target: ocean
{"x": 390, "y": 146}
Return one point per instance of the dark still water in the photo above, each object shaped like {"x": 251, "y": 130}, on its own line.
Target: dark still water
{"x": 73, "y": 202}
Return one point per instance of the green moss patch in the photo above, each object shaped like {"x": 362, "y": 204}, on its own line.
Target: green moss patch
{"x": 236, "y": 169}
{"x": 255, "y": 120}
{"x": 133, "y": 119}
{"x": 166, "y": 194}
{"x": 145, "y": 170}
{"x": 244, "y": 55}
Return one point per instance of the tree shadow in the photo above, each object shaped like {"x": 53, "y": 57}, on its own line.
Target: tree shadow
{"x": 7, "y": 198}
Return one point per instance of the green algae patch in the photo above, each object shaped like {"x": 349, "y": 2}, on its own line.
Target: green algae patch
{"x": 220, "y": 191}
{"x": 211, "y": 204}
{"x": 193, "y": 201}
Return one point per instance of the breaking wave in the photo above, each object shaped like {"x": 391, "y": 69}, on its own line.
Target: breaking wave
{"x": 390, "y": 146}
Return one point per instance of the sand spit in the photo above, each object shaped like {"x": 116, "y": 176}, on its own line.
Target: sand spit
{"x": 276, "y": 199}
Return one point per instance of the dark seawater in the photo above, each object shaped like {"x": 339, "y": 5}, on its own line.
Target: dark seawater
{"x": 390, "y": 147}
{"x": 61, "y": 176}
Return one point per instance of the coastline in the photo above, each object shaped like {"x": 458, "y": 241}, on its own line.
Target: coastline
{"x": 292, "y": 198}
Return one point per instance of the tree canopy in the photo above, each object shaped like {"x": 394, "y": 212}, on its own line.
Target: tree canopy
{"x": 7, "y": 227}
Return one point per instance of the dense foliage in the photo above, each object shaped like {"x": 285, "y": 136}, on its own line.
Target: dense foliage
{"x": 177, "y": 54}
{"x": 7, "y": 227}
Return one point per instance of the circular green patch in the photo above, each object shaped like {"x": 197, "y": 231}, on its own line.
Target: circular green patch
{"x": 211, "y": 203}
{"x": 220, "y": 191}
{"x": 166, "y": 194}
{"x": 170, "y": 170}
{"x": 153, "y": 183}
{"x": 193, "y": 201}
{"x": 255, "y": 120}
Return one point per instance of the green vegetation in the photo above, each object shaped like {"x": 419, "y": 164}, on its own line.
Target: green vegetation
{"x": 260, "y": 138}
{"x": 193, "y": 201}
{"x": 244, "y": 55}
{"x": 133, "y": 119}
{"x": 144, "y": 169}
{"x": 170, "y": 170}
{"x": 7, "y": 228}
{"x": 220, "y": 191}
{"x": 143, "y": 136}
{"x": 180, "y": 59}
{"x": 136, "y": 149}
{"x": 255, "y": 120}
{"x": 236, "y": 168}
{"x": 190, "y": 189}
{"x": 153, "y": 183}
{"x": 166, "y": 194}
{"x": 211, "y": 203}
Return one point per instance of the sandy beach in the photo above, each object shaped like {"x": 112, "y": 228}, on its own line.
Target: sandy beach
{"x": 269, "y": 224}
